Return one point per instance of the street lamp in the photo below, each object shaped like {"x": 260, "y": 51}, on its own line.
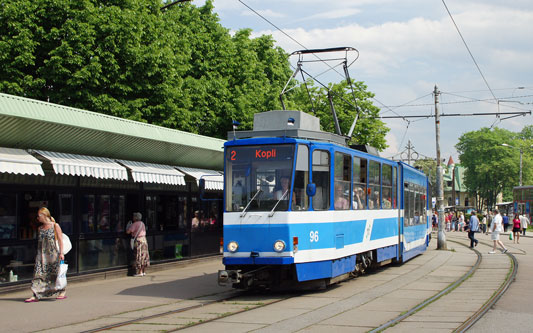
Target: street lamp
{"x": 521, "y": 152}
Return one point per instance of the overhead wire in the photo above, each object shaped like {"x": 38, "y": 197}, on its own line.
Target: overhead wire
{"x": 303, "y": 46}
{"x": 468, "y": 49}
{"x": 408, "y": 103}
{"x": 286, "y": 34}
{"x": 490, "y": 101}
{"x": 470, "y": 100}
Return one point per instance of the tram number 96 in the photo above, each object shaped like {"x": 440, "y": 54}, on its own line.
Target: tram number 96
{"x": 313, "y": 236}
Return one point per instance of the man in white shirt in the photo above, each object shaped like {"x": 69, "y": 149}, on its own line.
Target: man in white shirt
{"x": 524, "y": 222}
{"x": 495, "y": 228}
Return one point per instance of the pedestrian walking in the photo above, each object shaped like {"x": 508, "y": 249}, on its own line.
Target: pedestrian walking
{"x": 473, "y": 227}
{"x": 505, "y": 222}
{"x": 496, "y": 227}
{"x": 142, "y": 257}
{"x": 455, "y": 225}
{"x": 48, "y": 259}
{"x": 484, "y": 224}
{"x": 524, "y": 222}
{"x": 517, "y": 228}
{"x": 462, "y": 221}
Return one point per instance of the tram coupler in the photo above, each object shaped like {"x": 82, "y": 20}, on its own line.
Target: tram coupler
{"x": 228, "y": 276}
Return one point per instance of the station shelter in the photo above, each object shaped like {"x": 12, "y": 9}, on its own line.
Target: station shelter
{"x": 93, "y": 171}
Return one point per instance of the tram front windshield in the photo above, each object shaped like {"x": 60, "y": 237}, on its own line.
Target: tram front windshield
{"x": 258, "y": 177}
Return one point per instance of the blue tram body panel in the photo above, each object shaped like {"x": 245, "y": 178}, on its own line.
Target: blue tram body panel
{"x": 383, "y": 228}
{"x": 325, "y": 269}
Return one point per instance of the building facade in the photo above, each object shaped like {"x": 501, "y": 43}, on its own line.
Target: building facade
{"x": 456, "y": 196}
{"x": 93, "y": 171}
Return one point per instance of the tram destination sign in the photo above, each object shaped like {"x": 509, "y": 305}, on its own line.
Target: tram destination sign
{"x": 260, "y": 153}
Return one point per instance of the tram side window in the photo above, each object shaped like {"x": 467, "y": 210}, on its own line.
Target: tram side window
{"x": 301, "y": 179}
{"x": 406, "y": 204}
{"x": 387, "y": 186}
{"x": 343, "y": 172}
{"x": 420, "y": 204}
{"x": 359, "y": 183}
{"x": 394, "y": 187}
{"x": 412, "y": 198}
{"x": 320, "y": 174}
{"x": 418, "y": 200}
{"x": 414, "y": 204}
{"x": 374, "y": 182}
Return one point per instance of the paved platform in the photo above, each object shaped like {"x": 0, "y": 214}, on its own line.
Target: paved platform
{"x": 356, "y": 305}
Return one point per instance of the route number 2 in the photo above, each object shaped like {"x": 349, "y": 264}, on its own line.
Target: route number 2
{"x": 313, "y": 236}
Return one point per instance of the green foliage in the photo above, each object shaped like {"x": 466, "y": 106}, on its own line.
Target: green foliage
{"x": 177, "y": 68}
{"x": 492, "y": 168}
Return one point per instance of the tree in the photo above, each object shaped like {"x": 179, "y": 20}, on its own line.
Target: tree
{"x": 490, "y": 167}
{"x": 104, "y": 56}
{"x": 178, "y": 68}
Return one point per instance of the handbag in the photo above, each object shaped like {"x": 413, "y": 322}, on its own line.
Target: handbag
{"x": 132, "y": 241}
{"x": 67, "y": 245}
{"x": 61, "y": 281}
{"x": 511, "y": 236}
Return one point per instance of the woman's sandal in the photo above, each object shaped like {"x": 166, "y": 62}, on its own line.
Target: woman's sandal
{"x": 31, "y": 300}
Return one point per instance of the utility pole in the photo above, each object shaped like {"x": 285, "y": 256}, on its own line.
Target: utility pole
{"x": 520, "y": 181}
{"x": 441, "y": 240}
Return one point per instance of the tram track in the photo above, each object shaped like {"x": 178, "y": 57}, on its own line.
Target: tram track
{"x": 158, "y": 315}
{"x": 234, "y": 296}
{"x": 433, "y": 298}
{"x": 238, "y": 302}
{"x": 495, "y": 297}
{"x": 478, "y": 314}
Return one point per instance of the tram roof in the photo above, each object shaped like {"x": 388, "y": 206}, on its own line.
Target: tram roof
{"x": 33, "y": 124}
{"x": 287, "y": 124}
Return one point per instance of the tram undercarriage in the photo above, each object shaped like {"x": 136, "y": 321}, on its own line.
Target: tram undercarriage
{"x": 285, "y": 276}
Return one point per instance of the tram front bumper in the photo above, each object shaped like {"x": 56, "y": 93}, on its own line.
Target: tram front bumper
{"x": 228, "y": 276}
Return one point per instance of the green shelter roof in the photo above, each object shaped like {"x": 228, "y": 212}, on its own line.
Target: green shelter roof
{"x": 33, "y": 124}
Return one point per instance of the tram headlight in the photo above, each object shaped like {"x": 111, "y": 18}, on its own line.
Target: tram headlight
{"x": 279, "y": 245}
{"x": 232, "y": 246}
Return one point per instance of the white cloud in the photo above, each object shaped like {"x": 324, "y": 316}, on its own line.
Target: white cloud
{"x": 268, "y": 13}
{"x": 392, "y": 149}
{"x": 332, "y": 14}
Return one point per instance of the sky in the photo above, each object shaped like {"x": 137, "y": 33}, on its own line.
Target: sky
{"x": 405, "y": 49}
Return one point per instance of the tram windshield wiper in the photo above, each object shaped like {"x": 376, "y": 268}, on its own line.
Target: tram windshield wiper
{"x": 277, "y": 203}
{"x": 249, "y": 202}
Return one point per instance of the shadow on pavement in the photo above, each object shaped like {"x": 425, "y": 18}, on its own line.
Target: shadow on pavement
{"x": 179, "y": 289}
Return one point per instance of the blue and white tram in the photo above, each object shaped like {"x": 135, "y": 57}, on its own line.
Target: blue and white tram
{"x": 302, "y": 207}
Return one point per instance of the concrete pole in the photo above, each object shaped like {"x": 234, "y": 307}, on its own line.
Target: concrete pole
{"x": 520, "y": 182}
{"x": 441, "y": 240}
